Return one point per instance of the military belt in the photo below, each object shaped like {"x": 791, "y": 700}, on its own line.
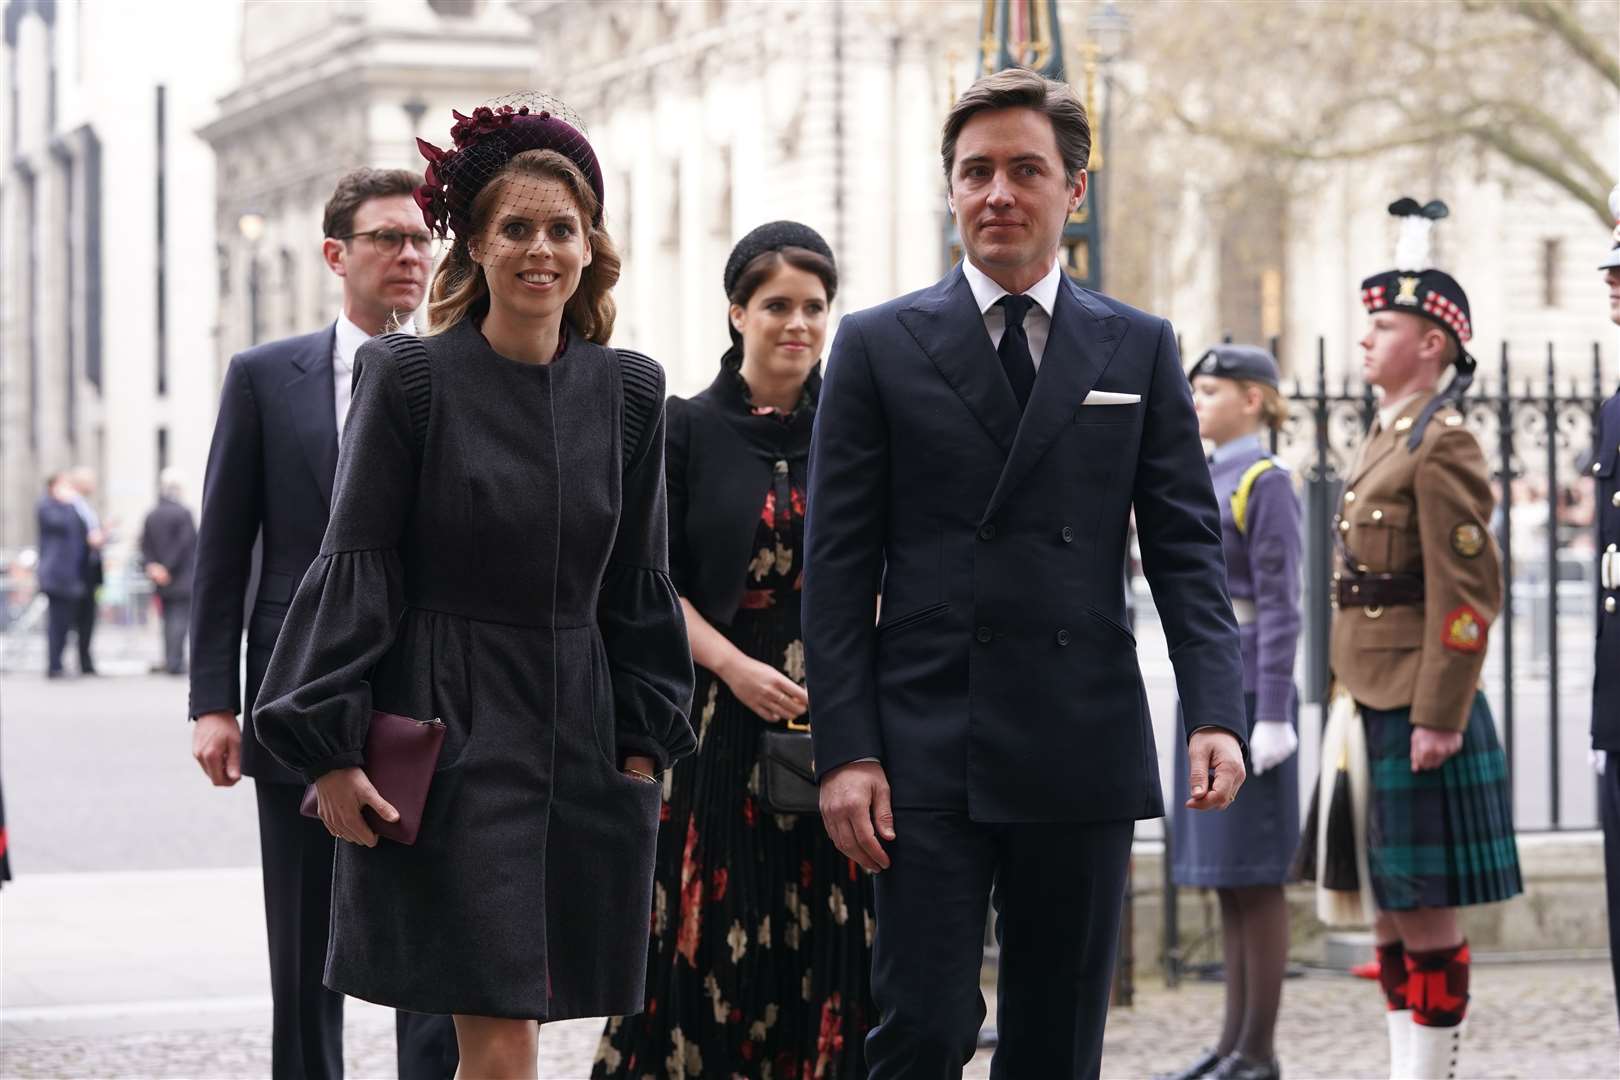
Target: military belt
{"x": 1379, "y": 590}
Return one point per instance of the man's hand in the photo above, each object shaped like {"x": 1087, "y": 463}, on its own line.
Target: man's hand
{"x": 159, "y": 574}
{"x": 340, "y": 795}
{"x": 216, "y": 743}
{"x": 1432, "y": 748}
{"x": 854, "y": 799}
{"x": 1215, "y": 769}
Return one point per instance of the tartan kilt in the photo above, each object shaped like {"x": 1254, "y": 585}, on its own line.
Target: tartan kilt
{"x": 1442, "y": 838}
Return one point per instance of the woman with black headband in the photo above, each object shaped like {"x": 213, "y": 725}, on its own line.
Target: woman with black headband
{"x": 496, "y": 563}
{"x": 761, "y": 930}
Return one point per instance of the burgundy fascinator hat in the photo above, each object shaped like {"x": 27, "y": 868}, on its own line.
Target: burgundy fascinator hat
{"x": 484, "y": 142}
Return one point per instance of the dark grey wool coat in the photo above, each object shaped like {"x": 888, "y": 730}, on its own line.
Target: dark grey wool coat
{"x": 514, "y": 584}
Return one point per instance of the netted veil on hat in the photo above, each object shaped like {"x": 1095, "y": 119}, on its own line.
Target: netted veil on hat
{"x": 484, "y": 142}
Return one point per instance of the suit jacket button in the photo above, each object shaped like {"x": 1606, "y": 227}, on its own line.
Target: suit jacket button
{"x": 1062, "y": 637}
{"x": 1614, "y": 500}
{"x": 1608, "y": 604}
{"x": 1068, "y": 533}
{"x": 984, "y": 635}
{"x": 987, "y": 532}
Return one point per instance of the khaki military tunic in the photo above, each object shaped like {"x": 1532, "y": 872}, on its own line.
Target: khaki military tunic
{"x": 1425, "y": 511}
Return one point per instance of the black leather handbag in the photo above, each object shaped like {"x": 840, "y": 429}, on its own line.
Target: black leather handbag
{"x": 787, "y": 771}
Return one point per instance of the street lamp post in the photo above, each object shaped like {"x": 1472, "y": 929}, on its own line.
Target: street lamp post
{"x": 251, "y": 225}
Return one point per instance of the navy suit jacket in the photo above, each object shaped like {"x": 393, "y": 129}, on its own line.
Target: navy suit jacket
{"x": 64, "y": 550}
{"x": 1001, "y": 679}
{"x": 270, "y": 473}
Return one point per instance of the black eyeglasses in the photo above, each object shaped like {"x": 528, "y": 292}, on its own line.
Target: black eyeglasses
{"x": 388, "y": 242}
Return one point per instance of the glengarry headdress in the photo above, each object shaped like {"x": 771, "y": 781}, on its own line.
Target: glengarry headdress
{"x": 484, "y": 142}
{"x": 1419, "y": 289}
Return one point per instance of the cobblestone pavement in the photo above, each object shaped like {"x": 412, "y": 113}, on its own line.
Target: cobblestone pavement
{"x": 1540, "y": 1020}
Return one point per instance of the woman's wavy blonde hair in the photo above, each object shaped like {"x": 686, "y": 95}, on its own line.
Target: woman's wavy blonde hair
{"x": 459, "y": 290}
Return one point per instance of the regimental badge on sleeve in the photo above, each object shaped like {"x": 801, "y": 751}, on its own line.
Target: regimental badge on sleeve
{"x": 1464, "y": 631}
{"x": 1468, "y": 539}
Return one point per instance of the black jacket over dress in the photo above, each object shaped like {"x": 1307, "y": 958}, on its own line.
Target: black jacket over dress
{"x": 722, "y": 459}
{"x": 512, "y": 582}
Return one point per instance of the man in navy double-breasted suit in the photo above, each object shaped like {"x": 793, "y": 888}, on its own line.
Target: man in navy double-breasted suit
{"x": 979, "y": 448}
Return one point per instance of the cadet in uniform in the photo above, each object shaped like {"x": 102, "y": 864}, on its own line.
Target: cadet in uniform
{"x": 1417, "y": 592}
{"x": 1606, "y": 676}
{"x": 1243, "y": 853}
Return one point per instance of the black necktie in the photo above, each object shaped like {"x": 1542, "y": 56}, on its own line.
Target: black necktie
{"x": 1016, "y": 360}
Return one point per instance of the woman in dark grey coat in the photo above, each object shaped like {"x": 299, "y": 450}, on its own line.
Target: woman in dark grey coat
{"x": 497, "y": 559}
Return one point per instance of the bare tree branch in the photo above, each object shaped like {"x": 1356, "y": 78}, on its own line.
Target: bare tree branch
{"x": 1560, "y": 20}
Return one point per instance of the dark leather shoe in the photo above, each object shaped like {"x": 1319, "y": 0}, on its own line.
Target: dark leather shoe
{"x": 1204, "y": 1066}
{"x": 1238, "y": 1067}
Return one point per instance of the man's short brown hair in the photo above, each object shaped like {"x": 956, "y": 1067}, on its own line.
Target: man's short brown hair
{"x": 357, "y": 187}
{"x": 1021, "y": 88}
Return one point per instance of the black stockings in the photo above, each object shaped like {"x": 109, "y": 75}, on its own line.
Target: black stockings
{"x": 1254, "y": 937}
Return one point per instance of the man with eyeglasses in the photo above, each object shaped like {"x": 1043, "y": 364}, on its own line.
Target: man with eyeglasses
{"x": 270, "y": 474}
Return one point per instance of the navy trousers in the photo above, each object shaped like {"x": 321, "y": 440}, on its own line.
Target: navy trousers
{"x": 307, "y": 1025}
{"x": 1058, "y": 891}
{"x": 61, "y": 616}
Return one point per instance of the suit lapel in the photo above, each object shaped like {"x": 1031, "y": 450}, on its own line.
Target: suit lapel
{"x": 1081, "y": 343}
{"x": 947, "y": 323}
{"x": 311, "y": 395}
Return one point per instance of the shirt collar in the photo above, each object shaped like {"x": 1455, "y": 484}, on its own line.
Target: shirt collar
{"x": 986, "y": 292}
{"x": 1388, "y": 413}
{"x": 1238, "y": 447}
{"x": 350, "y": 337}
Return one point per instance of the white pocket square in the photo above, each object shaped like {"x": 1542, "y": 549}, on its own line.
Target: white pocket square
{"x": 1109, "y": 397}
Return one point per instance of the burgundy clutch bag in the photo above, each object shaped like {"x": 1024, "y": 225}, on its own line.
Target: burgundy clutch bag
{"x": 401, "y": 755}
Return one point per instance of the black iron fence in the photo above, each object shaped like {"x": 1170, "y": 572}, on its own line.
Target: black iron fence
{"x": 1537, "y": 433}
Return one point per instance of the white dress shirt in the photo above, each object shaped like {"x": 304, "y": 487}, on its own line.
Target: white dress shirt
{"x": 346, "y": 342}
{"x": 1038, "y": 321}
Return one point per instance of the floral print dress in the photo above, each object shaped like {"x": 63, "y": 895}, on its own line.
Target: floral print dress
{"x": 761, "y": 932}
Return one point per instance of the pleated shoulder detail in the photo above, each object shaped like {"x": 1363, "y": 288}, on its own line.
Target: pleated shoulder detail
{"x": 643, "y": 382}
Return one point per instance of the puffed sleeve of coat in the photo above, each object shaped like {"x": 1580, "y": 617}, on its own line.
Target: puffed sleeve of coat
{"x": 643, "y": 629}
{"x": 315, "y": 705}
{"x": 1275, "y": 543}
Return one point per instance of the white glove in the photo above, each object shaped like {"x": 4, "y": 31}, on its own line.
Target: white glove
{"x": 1271, "y": 743}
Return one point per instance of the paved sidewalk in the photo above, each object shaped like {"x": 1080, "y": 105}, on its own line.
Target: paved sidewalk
{"x": 1530, "y": 1021}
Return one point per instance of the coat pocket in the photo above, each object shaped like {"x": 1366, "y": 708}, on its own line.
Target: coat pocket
{"x": 913, "y": 618}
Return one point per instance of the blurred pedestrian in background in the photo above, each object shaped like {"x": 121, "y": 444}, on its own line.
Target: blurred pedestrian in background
{"x": 83, "y": 479}
{"x": 797, "y": 981}
{"x": 169, "y": 553}
{"x": 64, "y": 552}
{"x": 270, "y": 472}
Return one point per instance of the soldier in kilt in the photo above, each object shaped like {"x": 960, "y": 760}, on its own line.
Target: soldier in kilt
{"x": 1418, "y": 589}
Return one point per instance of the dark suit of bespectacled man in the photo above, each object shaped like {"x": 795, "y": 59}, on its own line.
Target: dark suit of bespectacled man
{"x": 979, "y": 449}
{"x": 269, "y": 480}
